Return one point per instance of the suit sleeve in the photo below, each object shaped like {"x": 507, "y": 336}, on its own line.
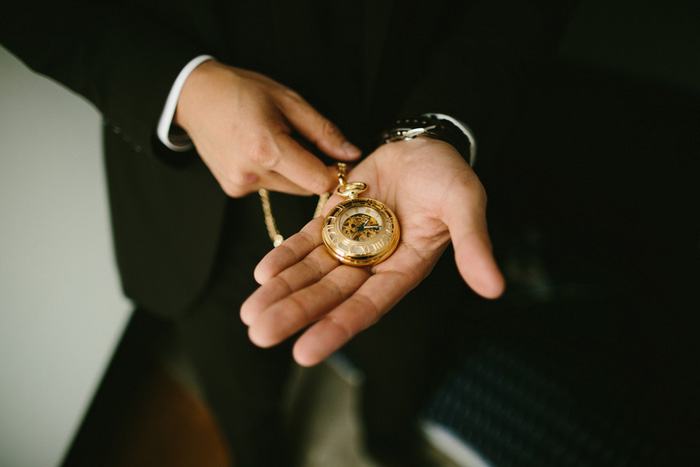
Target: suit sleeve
{"x": 488, "y": 65}
{"x": 113, "y": 54}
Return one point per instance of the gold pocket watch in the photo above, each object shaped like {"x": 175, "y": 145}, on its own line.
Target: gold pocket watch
{"x": 359, "y": 231}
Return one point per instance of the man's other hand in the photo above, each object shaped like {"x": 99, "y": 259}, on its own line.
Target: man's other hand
{"x": 241, "y": 124}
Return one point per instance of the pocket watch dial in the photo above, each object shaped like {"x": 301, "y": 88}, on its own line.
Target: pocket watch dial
{"x": 361, "y": 231}
{"x": 360, "y": 227}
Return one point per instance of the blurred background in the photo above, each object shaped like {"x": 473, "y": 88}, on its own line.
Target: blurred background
{"x": 605, "y": 172}
{"x": 61, "y": 307}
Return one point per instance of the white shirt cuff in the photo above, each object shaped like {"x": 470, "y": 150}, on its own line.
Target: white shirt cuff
{"x": 177, "y": 141}
{"x": 465, "y": 129}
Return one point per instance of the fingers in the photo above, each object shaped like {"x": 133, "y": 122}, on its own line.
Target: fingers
{"x": 240, "y": 122}
{"x": 249, "y": 182}
{"x": 288, "y": 316}
{"x": 293, "y": 250}
{"x": 301, "y": 167}
{"x": 338, "y": 302}
{"x": 278, "y": 163}
{"x": 361, "y": 310}
{"x": 317, "y": 129}
{"x": 309, "y": 271}
{"x": 356, "y": 299}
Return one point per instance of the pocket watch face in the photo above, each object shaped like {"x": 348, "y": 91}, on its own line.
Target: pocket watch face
{"x": 361, "y": 231}
{"x": 360, "y": 227}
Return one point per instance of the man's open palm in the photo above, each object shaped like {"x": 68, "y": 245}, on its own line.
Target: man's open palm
{"x": 437, "y": 199}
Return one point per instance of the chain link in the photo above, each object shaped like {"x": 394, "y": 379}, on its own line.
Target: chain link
{"x": 275, "y": 236}
{"x": 272, "y": 231}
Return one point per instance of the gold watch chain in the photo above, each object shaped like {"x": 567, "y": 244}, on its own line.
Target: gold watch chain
{"x": 272, "y": 230}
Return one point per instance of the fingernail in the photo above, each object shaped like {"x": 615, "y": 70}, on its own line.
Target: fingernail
{"x": 351, "y": 150}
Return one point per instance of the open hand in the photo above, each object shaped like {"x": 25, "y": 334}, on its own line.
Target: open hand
{"x": 241, "y": 124}
{"x": 436, "y": 197}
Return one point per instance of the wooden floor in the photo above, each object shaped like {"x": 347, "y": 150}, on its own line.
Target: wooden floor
{"x": 143, "y": 414}
{"x": 164, "y": 424}
{"x": 148, "y": 412}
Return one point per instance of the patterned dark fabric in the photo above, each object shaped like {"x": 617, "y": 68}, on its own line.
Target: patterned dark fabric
{"x": 514, "y": 415}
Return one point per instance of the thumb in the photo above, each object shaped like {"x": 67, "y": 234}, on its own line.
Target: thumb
{"x": 318, "y": 129}
{"x": 473, "y": 251}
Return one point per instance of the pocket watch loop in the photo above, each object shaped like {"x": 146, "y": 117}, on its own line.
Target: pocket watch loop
{"x": 349, "y": 190}
{"x": 341, "y": 173}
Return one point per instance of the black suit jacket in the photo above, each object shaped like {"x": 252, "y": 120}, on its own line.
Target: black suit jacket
{"x": 360, "y": 63}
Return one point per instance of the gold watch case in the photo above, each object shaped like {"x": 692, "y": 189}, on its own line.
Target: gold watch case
{"x": 361, "y": 231}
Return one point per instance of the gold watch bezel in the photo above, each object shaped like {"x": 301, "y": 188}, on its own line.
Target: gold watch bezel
{"x": 366, "y": 252}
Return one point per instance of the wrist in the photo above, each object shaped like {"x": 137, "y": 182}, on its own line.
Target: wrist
{"x": 169, "y": 136}
{"x": 191, "y": 97}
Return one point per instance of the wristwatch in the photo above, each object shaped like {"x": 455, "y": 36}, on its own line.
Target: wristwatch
{"x": 431, "y": 126}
